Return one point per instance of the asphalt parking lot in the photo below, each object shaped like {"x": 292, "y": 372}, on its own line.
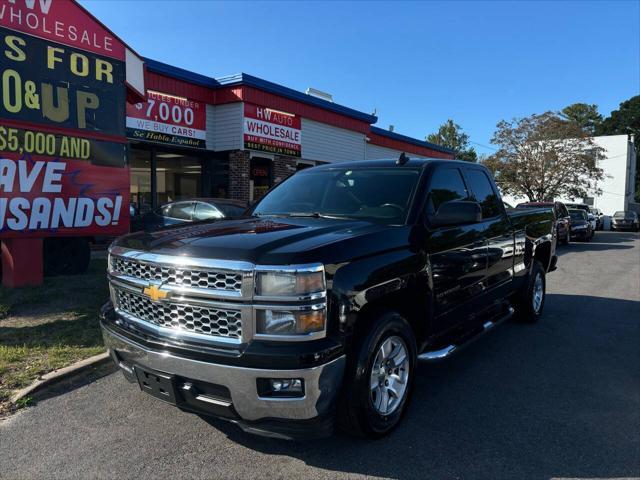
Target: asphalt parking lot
{"x": 554, "y": 400}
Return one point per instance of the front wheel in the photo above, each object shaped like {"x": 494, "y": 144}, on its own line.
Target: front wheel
{"x": 531, "y": 302}
{"x": 379, "y": 378}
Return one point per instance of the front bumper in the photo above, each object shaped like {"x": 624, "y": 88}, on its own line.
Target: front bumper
{"x": 624, "y": 226}
{"x": 235, "y": 391}
{"x": 581, "y": 234}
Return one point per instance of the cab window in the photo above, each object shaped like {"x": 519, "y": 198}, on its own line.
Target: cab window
{"x": 483, "y": 193}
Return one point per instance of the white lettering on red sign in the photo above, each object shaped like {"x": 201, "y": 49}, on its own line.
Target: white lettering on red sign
{"x": 29, "y": 211}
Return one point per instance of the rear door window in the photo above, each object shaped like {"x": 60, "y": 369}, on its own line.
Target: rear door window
{"x": 483, "y": 192}
{"x": 205, "y": 211}
{"x": 180, "y": 210}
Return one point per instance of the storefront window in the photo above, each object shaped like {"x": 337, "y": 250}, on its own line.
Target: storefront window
{"x": 179, "y": 177}
{"x": 260, "y": 177}
{"x": 160, "y": 176}
{"x": 140, "y": 168}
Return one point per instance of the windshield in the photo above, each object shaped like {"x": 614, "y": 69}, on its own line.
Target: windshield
{"x": 377, "y": 194}
{"x": 578, "y": 215}
{"x": 624, "y": 215}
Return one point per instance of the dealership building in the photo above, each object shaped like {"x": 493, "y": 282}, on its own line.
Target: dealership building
{"x": 236, "y": 136}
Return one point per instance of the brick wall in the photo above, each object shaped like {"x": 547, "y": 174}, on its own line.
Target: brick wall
{"x": 282, "y": 168}
{"x": 239, "y": 175}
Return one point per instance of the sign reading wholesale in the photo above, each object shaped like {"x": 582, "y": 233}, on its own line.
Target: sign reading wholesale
{"x": 272, "y": 131}
{"x": 63, "y": 155}
{"x": 168, "y": 119}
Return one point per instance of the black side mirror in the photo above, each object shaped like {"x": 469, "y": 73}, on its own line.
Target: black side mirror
{"x": 457, "y": 212}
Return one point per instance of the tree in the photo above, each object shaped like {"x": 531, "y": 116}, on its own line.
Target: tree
{"x": 583, "y": 115}
{"x": 451, "y": 135}
{"x": 544, "y": 157}
{"x": 626, "y": 120}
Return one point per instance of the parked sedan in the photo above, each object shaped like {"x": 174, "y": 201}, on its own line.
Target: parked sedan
{"x": 588, "y": 209}
{"x": 626, "y": 220}
{"x": 187, "y": 211}
{"x": 563, "y": 220}
{"x": 581, "y": 227}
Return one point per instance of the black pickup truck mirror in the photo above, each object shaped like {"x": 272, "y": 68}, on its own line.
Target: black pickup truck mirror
{"x": 457, "y": 212}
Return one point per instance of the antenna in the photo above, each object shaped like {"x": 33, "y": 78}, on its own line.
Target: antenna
{"x": 402, "y": 159}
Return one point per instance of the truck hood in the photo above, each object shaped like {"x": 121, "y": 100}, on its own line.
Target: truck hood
{"x": 273, "y": 241}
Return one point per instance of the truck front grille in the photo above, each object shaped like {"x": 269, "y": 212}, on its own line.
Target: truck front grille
{"x": 185, "y": 277}
{"x": 179, "y": 316}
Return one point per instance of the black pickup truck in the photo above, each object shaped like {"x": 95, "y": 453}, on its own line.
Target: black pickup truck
{"x": 314, "y": 307}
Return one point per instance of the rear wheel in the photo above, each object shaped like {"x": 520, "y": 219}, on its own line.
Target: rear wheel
{"x": 379, "y": 378}
{"x": 531, "y": 301}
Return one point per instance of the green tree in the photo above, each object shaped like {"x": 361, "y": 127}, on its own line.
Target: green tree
{"x": 544, "y": 157}
{"x": 451, "y": 135}
{"x": 625, "y": 121}
{"x": 583, "y": 115}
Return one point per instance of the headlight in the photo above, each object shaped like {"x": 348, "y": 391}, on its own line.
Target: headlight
{"x": 290, "y": 284}
{"x": 290, "y": 322}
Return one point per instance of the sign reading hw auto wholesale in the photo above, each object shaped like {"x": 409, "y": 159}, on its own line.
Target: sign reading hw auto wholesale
{"x": 168, "y": 119}
{"x": 272, "y": 131}
{"x": 63, "y": 153}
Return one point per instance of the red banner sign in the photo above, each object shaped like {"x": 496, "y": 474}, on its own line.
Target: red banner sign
{"x": 61, "y": 21}
{"x": 44, "y": 197}
{"x": 273, "y": 131}
{"x": 165, "y": 118}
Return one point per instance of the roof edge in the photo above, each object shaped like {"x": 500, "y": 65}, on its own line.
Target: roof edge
{"x": 251, "y": 81}
{"x": 411, "y": 140}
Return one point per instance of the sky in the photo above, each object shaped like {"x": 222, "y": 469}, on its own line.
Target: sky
{"x": 415, "y": 63}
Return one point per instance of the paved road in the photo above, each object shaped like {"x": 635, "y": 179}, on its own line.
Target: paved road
{"x": 556, "y": 399}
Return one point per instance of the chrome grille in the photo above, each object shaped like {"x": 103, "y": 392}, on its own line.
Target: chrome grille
{"x": 204, "y": 320}
{"x": 186, "y": 277}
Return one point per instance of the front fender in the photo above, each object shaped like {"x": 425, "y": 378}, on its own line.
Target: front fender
{"x": 358, "y": 284}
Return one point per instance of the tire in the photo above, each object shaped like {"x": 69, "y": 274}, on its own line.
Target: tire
{"x": 360, "y": 405}
{"x": 66, "y": 256}
{"x": 529, "y": 310}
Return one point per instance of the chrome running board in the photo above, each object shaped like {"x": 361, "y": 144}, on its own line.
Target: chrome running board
{"x": 446, "y": 352}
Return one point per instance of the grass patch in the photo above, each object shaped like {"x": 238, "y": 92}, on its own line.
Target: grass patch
{"x": 49, "y": 327}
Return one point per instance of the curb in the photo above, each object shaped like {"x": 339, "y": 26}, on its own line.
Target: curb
{"x": 61, "y": 374}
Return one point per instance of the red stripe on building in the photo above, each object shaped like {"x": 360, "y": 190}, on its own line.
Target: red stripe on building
{"x": 387, "y": 142}
{"x": 179, "y": 88}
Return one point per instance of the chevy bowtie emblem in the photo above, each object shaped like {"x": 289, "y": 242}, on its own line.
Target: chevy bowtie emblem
{"x": 154, "y": 293}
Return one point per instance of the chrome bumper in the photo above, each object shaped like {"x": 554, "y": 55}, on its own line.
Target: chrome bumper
{"x": 322, "y": 383}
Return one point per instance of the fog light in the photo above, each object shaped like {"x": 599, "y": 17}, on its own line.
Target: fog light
{"x": 280, "y": 387}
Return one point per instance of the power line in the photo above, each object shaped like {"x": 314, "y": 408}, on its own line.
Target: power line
{"x": 484, "y": 146}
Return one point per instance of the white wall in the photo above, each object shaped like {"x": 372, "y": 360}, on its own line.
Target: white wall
{"x": 224, "y": 126}
{"x": 331, "y": 144}
{"x": 619, "y": 169}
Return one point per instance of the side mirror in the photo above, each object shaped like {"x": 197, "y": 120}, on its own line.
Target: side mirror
{"x": 457, "y": 212}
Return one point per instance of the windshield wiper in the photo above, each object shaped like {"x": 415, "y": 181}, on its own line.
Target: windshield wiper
{"x": 312, "y": 215}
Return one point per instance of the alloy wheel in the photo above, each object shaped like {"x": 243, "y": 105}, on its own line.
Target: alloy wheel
{"x": 389, "y": 375}
{"x": 538, "y": 293}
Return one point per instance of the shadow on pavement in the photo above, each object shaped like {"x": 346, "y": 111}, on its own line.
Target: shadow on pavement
{"x": 603, "y": 240}
{"x": 556, "y": 399}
